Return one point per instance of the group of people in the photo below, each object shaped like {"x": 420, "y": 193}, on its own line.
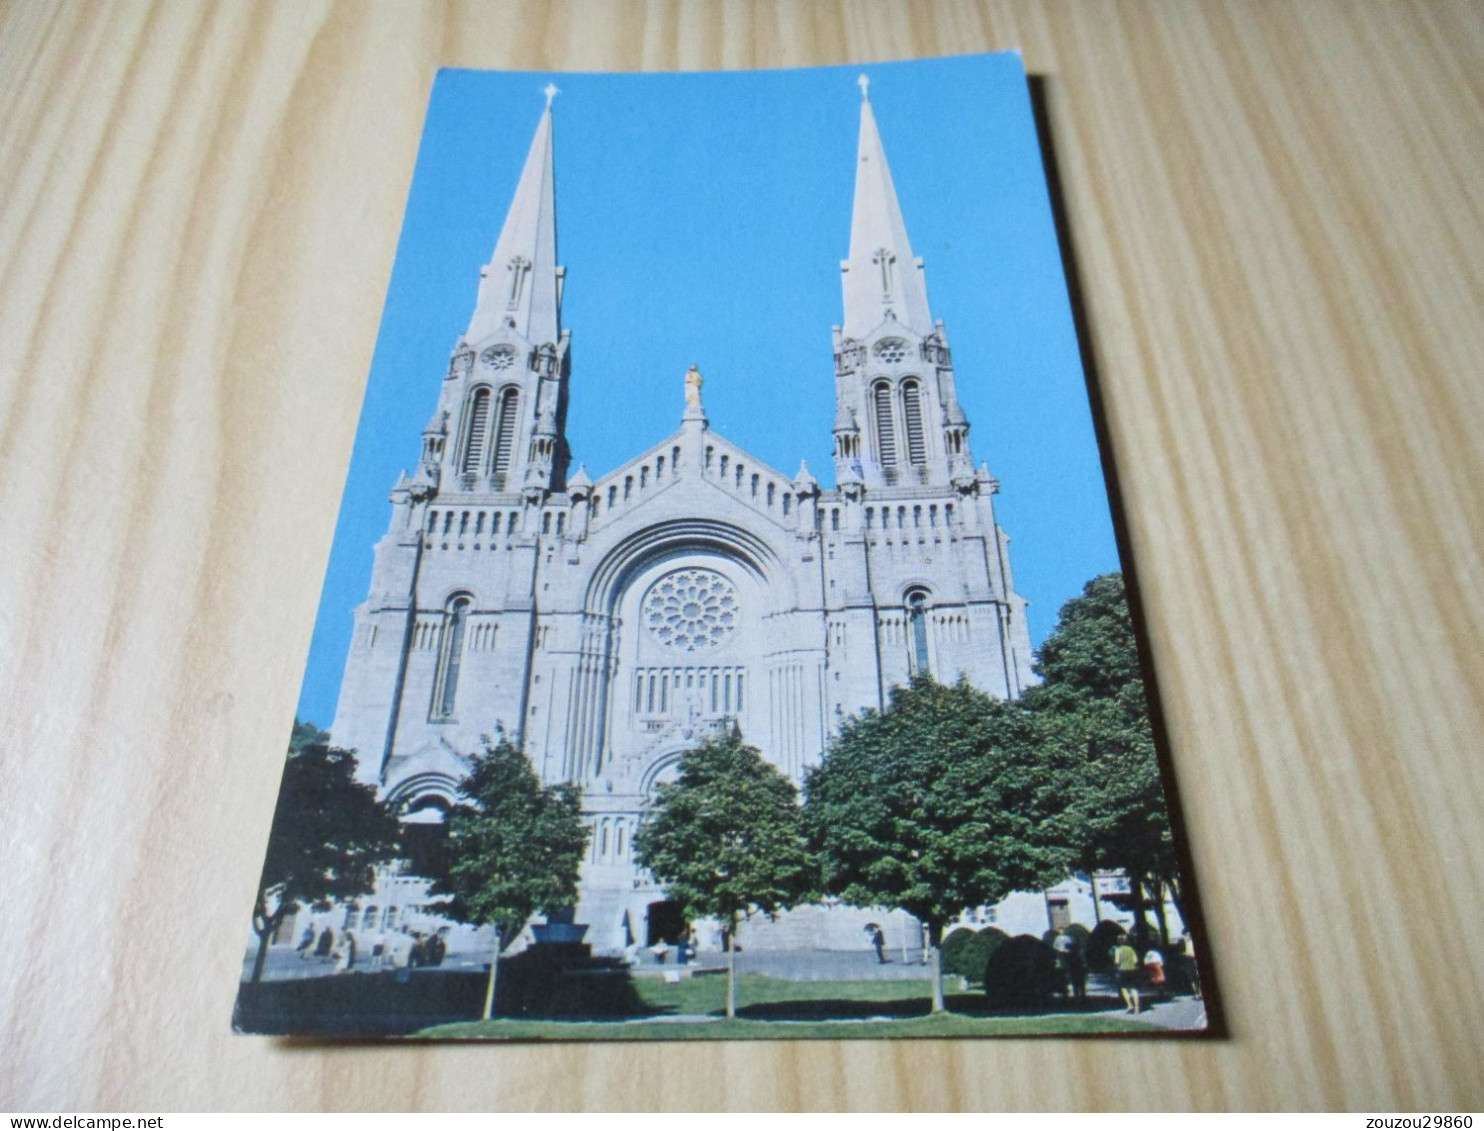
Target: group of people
{"x": 372, "y": 951}
{"x": 685, "y": 951}
{"x": 1135, "y": 973}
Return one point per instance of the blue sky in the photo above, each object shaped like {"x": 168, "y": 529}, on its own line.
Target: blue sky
{"x": 702, "y": 219}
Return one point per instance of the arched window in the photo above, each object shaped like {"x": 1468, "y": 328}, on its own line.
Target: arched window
{"x": 886, "y": 440}
{"x": 912, "y": 420}
{"x": 505, "y": 427}
{"x": 450, "y": 656}
{"x": 917, "y": 614}
{"x": 476, "y": 431}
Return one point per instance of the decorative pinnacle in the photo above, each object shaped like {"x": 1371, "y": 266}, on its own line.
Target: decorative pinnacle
{"x": 551, "y": 91}
{"x": 864, "y": 83}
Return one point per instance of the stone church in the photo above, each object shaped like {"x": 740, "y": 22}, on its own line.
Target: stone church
{"x": 609, "y": 623}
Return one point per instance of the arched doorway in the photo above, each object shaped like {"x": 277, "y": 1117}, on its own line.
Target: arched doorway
{"x": 425, "y": 836}
{"x": 665, "y": 922}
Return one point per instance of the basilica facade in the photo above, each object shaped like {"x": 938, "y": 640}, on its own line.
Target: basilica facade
{"x": 609, "y": 623}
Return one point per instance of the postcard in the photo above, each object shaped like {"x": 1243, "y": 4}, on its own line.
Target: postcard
{"x": 671, "y": 678}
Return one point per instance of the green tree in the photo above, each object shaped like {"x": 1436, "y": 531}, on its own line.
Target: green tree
{"x": 513, "y": 848}
{"x": 1092, "y": 702}
{"x": 306, "y": 734}
{"x": 942, "y": 802}
{"x": 328, "y": 834}
{"x": 1092, "y": 654}
{"x": 725, "y": 839}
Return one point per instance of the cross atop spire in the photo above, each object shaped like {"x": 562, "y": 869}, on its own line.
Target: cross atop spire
{"x": 882, "y": 278}
{"x": 551, "y": 90}
{"x": 864, "y": 82}
{"x": 520, "y": 287}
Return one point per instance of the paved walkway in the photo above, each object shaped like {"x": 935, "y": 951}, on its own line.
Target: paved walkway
{"x": 1175, "y": 1013}
{"x": 808, "y": 965}
{"x": 285, "y": 965}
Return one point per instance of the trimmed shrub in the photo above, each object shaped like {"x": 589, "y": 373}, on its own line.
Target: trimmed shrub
{"x": 966, "y": 952}
{"x": 1100, "y": 943}
{"x": 955, "y": 943}
{"x": 1020, "y": 974}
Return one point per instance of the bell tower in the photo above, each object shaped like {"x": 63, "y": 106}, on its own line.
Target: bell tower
{"x": 501, "y": 418}
{"x": 897, "y": 416}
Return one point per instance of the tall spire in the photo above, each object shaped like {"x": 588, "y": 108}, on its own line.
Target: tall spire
{"x": 521, "y": 286}
{"x": 882, "y": 277}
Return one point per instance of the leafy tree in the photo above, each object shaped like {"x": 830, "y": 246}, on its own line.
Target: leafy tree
{"x": 306, "y": 734}
{"x": 329, "y": 832}
{"x": 513, "y": 848}
{"x": 1092, "y": 654}
{"x": 941, "y": 802}
{"x": 725, "y": 838}
{"x": 1092, "y": 702}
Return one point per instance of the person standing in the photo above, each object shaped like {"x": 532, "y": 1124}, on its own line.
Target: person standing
{"x": 437, "y": 947}
{"x": 878, "y": 943}
{"x": 1154, "y": 970}
{"x": 1065, "y": 946}
{"x": 1192, "y": 970}
{"x": 346, "y": 961}
{"x": 1126, "y": 965}
{"x": 1073, "y": 963}
{"x": 401, "y": 948}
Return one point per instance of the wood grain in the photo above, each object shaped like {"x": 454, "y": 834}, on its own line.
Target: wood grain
{"x": 1277, "y": 212}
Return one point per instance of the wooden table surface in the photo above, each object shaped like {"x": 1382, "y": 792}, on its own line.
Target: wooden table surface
{"x": 1277, "y": 211}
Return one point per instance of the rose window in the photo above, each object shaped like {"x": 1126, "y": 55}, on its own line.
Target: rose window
{"x": 891, "y": 350}
{"x": 498, "y": 357}
{"x": 691, "y": 609}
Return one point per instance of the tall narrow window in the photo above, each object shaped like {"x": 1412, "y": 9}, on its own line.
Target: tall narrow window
{"x": 505, "y": 430}
{"x": 476, "y": 435}
{"x": 886, "y": 441}
{"x": 450, "y": 656}
{"x": 917, "y": 614}
{"x": 912, "y": 418}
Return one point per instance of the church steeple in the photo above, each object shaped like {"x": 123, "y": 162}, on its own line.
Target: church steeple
{"x": 897, "y": 417}
{"x": 503, "y": 406}
{"x": 521, "y": 287}
{"x": 882, "y": 278}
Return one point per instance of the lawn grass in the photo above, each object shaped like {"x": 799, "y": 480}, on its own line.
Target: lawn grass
{"x": 708, "y": 994}
{"x": 769, "y": 1008}
{"x": 719, "y": 1029}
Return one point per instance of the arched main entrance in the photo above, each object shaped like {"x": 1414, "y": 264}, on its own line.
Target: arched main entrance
{"x": 665, "y": 922}
{"x": 425, "y": 836}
